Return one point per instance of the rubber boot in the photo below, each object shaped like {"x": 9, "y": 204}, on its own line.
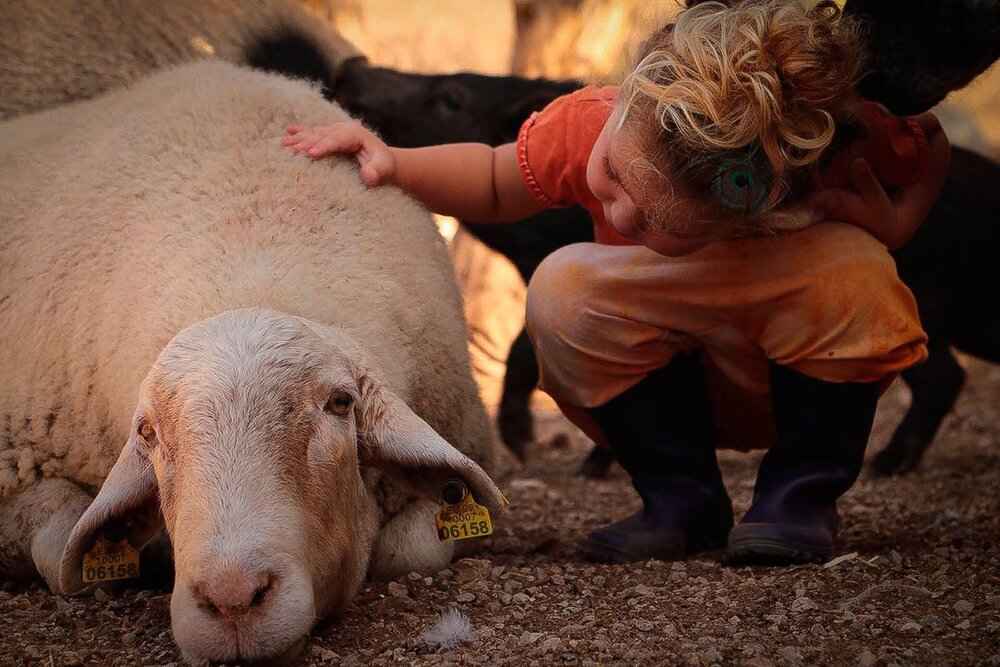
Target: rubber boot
{"x": 822, "y": 432}
{"x": 661, "y": 431}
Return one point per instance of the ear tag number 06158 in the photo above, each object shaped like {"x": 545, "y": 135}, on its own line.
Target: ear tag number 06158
{"x": 464, "y": 519}
{"x": 110, "y": 561}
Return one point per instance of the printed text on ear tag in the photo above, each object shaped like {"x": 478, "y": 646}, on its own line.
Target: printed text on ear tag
{"x": 463, "y": 520}
{"x": 109, "y": 561}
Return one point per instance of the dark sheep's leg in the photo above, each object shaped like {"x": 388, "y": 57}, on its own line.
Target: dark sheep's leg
{"x": 517, "y": 427}
{"x": 935, "y": 386}
{"x": 981, "y": 337}
{"x": 598, "y": 463}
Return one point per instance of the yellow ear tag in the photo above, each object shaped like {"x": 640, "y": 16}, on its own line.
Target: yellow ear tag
{"x": 109, "y": 561}
{"x": 463, "y": 520}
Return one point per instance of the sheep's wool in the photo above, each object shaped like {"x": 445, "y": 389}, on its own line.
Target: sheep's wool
{"x": 451, "y": 629}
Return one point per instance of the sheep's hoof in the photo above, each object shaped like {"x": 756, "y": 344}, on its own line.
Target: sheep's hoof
{"x": 597, "y": 464}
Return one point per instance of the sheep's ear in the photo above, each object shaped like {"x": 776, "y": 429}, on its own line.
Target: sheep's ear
{"x": 393, "y": 438}
{"x": 127, "y": 504}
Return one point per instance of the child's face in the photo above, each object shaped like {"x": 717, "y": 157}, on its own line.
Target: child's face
{"x": 609, "y": 179}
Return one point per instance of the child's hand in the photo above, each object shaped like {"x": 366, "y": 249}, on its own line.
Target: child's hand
{"x": 866, "y": 202}
{"x": 378, "y": 165}
{"x": 892, "y": 220}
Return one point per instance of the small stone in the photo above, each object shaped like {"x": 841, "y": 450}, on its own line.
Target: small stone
{"x": 397, "y": 590}
{"x": 791, "y": 654}
{"x": 506, "y": 598}
{"x": 867, "y": 659}
{"x": 466, "y": 597}
{"x": 519, "y": 486}
{"x": 643, "y": 626}
{"x": 911, "y": 626}
{"x": 643, "y": 590}
{"x": 101, "y": 596}
{"x": 963, "y": 607}
{"x": 551, "y": 645}
{"x": 710, "y": 656}
{"x": 758, "y": 661}
{"x": 471, "y": 569}
{"x": 71, "y": 659}
{"x": 964, "y": 625}
{"x": 521, "y": 598}
{"x": 528, "y": 638}
{"x": 326, "y": 655}
{"x": 801, "y": 604}
{"x": 414, "y": 576}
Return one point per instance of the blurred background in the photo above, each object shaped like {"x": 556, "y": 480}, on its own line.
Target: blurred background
{"x": 591, "y": 40}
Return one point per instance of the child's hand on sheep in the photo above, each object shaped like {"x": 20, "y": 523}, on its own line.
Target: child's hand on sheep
{"x": 891, "y": 219}
{"x": 376, "y": 161}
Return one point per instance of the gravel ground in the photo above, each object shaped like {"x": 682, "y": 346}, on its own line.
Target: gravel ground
{"x": 918, "y": 582}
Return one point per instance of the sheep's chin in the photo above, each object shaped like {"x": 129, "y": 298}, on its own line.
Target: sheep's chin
{"x": 293, "y": 655}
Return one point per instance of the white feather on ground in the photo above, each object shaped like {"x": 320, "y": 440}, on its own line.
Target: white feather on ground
{"x": 451, "y": 629}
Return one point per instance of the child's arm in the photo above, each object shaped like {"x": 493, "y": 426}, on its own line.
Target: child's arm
{"x": 891, "y": 220}
{"x": 473, "y": 182}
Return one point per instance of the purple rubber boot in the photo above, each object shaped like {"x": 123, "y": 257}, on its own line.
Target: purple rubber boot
{"x": 823, "y": 430}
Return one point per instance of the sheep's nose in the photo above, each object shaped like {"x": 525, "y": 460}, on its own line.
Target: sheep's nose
{"x": 233, "y": 592}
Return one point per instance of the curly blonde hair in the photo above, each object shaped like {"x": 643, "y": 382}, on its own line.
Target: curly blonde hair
{"x": 734, "y": 105}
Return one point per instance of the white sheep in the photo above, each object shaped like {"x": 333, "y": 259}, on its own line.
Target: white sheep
{"x": 238, "y": 343}
{"x": 61, "y": 51}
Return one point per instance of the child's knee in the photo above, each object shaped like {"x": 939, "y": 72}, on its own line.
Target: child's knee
{"x": 559, "y": 287}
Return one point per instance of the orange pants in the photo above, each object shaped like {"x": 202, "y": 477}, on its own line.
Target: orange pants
{"x": 825, "y": 301}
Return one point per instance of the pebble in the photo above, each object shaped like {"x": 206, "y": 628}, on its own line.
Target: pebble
{"x": 397, "y": 590}
{"x": 801, "y": 604}
{"x": 551, "y": 645}
{"x": 963, "y": 607}
{"x": 528, "y": 484}
{"x": 643, "y": 590}
{"x": 466, "y": 597}
{"x": 791, "y": 654}
{"x": 326, "y": 655}
{"x": 528, "y": 638}
{"x": 101, "y": 596}
{"x": 912, "y": 626}
{"x": 711, "y": 656}
{"x": 521, "y": 598}
{"x": 867, "y": 659}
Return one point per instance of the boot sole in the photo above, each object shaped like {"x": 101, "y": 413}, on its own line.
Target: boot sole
{"x": 600, "y": 552}
{"x": 767, "y": 544}
{"x": 597, "y": 552}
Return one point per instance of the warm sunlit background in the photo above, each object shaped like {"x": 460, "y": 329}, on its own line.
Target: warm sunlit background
{"x": 590, "y": 40}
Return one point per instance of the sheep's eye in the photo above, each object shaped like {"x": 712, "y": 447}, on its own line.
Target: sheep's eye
{"x": 146, "y": 431}
{"x": 340, "y": 403}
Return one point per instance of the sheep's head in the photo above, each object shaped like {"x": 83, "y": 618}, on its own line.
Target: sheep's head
{"x": 411, "y": 110}
{"x": 249, "y": 443}
{"x": 920, "y": 51}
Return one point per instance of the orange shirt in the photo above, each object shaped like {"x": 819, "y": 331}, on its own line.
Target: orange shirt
{"x": 553, "y": 148}
{"x": 554, "y": 145}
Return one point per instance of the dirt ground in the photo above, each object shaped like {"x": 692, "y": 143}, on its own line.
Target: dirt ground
{"x": 918, "y": 582}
